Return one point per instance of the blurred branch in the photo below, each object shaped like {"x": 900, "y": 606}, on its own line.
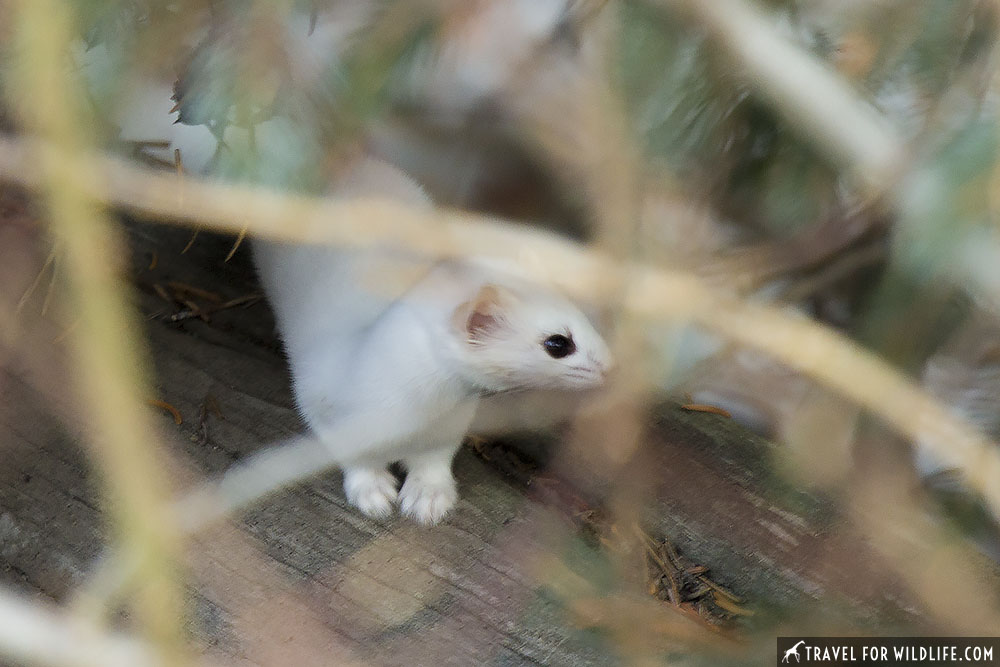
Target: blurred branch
{"x": 816, "y": 99}
{"x": 585, "y": 274}
{"x": 108, "y": 354}
{"x": 809, "y": 94}
{"x": 33, "y": 633}
{"x": 231, "y": 208}
{"x": 275, "y": 468}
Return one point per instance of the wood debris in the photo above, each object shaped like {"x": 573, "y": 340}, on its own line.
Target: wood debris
{"x": 703, "y": 407}
{"x": 666, "y": 574}
{"x": 208, "y": 406}
{"x": 685, "y": 585}
{"x": 197, "y": 302}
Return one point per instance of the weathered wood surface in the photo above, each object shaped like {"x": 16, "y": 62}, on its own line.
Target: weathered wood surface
{"x": 304, "y": 579}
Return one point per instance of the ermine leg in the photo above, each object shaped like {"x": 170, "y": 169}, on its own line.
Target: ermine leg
{"x": 372, "y": 490}
{"x": 429, "y": 491}
{"x": 354, "y": 442}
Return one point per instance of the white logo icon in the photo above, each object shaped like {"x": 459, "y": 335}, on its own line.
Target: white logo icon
{"x": 793, "y": 651}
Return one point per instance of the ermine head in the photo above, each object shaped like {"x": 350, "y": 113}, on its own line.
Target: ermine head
{"x": 514, "y": 338}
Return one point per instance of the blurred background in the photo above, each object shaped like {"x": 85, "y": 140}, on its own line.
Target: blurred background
{"x": 799, "y": 197}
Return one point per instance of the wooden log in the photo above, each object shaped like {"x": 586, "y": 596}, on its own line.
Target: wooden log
{"x": 303, "y": 578}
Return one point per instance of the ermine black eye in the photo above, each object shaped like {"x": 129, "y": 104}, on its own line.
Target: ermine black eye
{"x": 559, "y": 346}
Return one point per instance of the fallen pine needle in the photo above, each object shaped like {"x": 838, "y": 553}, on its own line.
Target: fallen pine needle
{"x": 194, "y": 291}
{"x": 190, "y": 243}
{"x": 239, "y": 240}
{"x": 174, "y": 412}
{"x": 702, "y": 407}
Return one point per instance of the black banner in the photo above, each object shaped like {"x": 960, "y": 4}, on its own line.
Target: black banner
{"x": 932, "y": 651}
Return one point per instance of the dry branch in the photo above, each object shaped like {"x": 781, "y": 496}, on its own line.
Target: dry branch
{"x": 31, "y": 632}
{"x": 796, "y": 84}
{"x": 109, "y": 357}
{"x": 652, "y": 292}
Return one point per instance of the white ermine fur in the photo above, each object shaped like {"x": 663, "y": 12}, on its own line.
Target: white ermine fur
{"x": 393, "y": 357}
{"x": 390, "y": 354}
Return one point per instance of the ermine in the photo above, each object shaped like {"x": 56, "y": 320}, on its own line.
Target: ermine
{"x": 391, "y": 354}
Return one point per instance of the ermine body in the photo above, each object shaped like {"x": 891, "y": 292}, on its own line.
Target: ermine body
{"x": 391, "y": 354}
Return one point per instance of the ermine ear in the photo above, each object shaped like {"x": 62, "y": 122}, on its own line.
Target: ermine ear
{"x": 484, "y": 316}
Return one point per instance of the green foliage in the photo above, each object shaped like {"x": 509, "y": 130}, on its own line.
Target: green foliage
{"x": 691, "y": 110}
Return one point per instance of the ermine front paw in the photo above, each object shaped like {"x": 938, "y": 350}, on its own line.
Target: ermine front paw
{"x": 371, "y": 491}
{"x": 428, "y": 499}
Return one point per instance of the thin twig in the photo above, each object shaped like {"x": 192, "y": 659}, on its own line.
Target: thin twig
{"x": 49, "y": 261}
{"x": 179, "y": 168}
{"x": 51, "y": 288}
{"x": 236, "y": 244}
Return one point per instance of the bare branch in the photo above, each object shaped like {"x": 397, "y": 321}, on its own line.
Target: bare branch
{"x": 107, "y": 352}
{"x": 275, "y": 468}
{"x": 33, "y": 633}
{"x": 652, "y": 293}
